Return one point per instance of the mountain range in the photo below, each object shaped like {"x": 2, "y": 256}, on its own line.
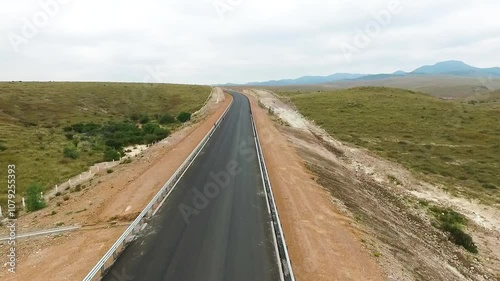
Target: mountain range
{"x": 452, "y": 68}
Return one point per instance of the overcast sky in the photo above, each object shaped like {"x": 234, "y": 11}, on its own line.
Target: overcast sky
{"x": 207, "y": 42}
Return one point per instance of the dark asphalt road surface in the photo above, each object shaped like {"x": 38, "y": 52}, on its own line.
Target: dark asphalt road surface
{"x": 214, "y": 226}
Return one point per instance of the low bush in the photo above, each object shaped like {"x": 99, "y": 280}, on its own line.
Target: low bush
{"x": 184, "y": 117}
{"x": 144, "y": 119}
{"x": 34, "y": 198}
{"x": 452, "y": 222}
{"x": 489, "y": 186}
{"x": 459, "y": 237}
{"x": 111, "y": 154}
{"x": 111, "y": 138}
{"x": 71, "y": 152}
{"x": 166, "y": 119}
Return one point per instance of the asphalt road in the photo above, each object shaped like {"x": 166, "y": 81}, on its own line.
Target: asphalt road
{"x": 214, "y": 226}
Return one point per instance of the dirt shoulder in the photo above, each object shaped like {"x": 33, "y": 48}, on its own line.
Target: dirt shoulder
{"x": 323, "y": 243}
{"x": 104, "y": 207}
{"x": 390, "y": 217}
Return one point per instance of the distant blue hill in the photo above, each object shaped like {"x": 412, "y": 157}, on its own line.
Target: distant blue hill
{"x": 454, "y": 68}
{"x": 306, "y": 80}
{"x": 457, "y": 68}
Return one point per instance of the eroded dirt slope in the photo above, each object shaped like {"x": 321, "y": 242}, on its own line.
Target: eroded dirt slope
{"x": 386, "y": 217}
{"x": 323, "y": 243}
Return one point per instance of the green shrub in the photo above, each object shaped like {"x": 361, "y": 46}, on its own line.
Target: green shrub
{"x": 109, "y": 171}
{"x": 150, "y": 138}
{"x": 166, "y": 119}
{"x": 489, "y": 186}
{"x": 453, "y": 222}
{"x": 149, "y": 128}
{"x": 114, "y": 143}
{"x": 85, "y": 128}
{"x": 459, "y": 237}
{"x": 161, "y": 133}
{"x": 2, "y": 147}
{"x": 34, "y": 198}
{"x": 184, "y": 117}
{"x": 448, "y": 216}
{"x": 71, "y": 152}
{"x": 144, "y": 119}
{"x": 111, "y": 154}
{"x": 423, "y": 203}
{"x": 135, "y": 117}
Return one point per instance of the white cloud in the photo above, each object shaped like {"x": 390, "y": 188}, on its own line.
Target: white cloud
{"x": 256, "y": 40}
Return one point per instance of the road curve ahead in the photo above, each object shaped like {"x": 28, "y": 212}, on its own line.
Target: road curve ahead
{"x": 215, "y": 225}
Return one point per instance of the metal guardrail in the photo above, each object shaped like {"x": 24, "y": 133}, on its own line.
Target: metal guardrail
{"x": 136, "y": 226}
{"x": 286, "y": 271}
{"x": 42, "y": 232}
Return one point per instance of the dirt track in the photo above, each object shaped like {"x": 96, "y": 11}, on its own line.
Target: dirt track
{"x": 104, "y": 207}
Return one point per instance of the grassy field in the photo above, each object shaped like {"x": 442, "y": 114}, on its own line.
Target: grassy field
{"x": 453, "y": 142}
{"x": 435, "y": 85}
{"x": 33, "y": 117}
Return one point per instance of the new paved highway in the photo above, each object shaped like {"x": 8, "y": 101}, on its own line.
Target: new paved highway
{"x": 215, "y": 225}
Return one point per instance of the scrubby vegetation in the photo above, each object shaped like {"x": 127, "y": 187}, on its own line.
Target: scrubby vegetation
{"x": 110, "y": 138}
{"x": 452, "y": 142}
{"x": 166, "y": 119}
{"x": 34, "y": 115}
{"x": 34, "y": 198}
{"x": 453, "y": 223}
{"x": 184, "y": 117}
{"x": 71, "y": 151}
